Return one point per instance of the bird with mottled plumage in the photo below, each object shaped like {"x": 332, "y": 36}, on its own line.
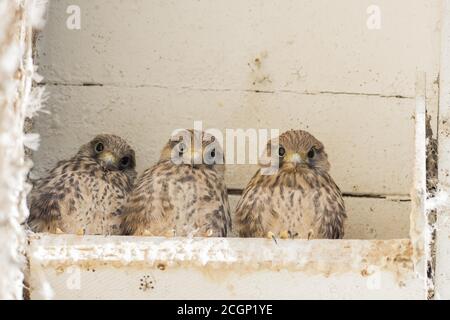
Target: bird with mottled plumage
{"x": 299, "y": 199}
{"x": 84, "y": 195}
{"x": 184, "y": 194}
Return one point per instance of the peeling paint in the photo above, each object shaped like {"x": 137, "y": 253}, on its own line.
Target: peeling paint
{"x": 18, "y": 100}
{"x": 314, "y": 257}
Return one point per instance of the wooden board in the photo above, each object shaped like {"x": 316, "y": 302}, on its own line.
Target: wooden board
{"x": 441, "y": 204}
{"x": 369, "y": 139}
{"x": 312, "y": 46}
{"x": 93, "y": 267}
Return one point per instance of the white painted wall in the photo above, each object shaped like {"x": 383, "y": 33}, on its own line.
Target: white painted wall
{"x": 160, "y": 65}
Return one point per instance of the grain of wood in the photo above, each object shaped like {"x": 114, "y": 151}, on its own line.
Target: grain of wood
{"x": 302, "y": 46}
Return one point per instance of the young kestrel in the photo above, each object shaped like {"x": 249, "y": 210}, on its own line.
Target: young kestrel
{"x": 85, "y": 193}
{"x": 299, "y": 200}
{"x": 184, "y": 193}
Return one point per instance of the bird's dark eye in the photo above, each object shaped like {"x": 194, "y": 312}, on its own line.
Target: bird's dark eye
{"x": 181, "y": 148}
{"x": 125, "y": 161}
{"x": 311, "y": 153}
{"x": 213, "y": 153}
{"x": 281, "y": 152}
{"x": 99, "y": 147}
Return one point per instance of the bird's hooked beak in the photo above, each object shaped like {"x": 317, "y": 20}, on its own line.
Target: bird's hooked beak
{"x": 196, "y": 157}
{"x": 297, "y": 159}
{"x": 109, "y": 159}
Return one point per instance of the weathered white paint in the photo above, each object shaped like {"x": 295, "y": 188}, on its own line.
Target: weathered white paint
{"x": 17, "y": 100}
{"x": 442, "y": 277}
{"x": 420, "y": 233}
{"x": 370, "y": 218}
{"x": 369, "y": 140}
{"x": 311, "y": 46}
{"x": 302, "y": 46}
{"x": 115, "y": 267}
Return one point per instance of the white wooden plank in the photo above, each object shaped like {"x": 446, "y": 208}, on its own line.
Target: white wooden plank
{"x": 442, "y": 273}
{"x": 370, "y": 218}
{"x": 123, "y": 267}
{"x": 369, "y": 140}
{"x": 17, "y": 100}
{"x": 419, "y": 232}
{"x": 301, "y": 45}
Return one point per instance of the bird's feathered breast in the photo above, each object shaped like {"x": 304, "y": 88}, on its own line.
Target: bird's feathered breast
{"x": 291, "y": 199}
{"x": 174, "y": 196}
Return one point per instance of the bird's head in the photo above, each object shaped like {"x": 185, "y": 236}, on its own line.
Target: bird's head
{"x": 298, "y": 150}
{"x": 112, "y": 153}
{"x": 194, "y": 148}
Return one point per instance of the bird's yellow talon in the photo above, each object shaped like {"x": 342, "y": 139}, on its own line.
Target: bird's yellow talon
{"x": 80, "y": 232}
{"x": 59, "y": 231}
{"x": 147, "y": 233}
{"x": 169, "y": 233}
{"x": 284, "y": 234}
{"x": 271, "y": 235}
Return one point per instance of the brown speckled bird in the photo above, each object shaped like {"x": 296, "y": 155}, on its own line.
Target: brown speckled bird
{"x": 299, "y": 200}
{"x": 184, "y": 194}
{"x": 83, "y": 195}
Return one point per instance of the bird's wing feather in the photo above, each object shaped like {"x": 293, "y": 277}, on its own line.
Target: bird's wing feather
{"x": 78, "y": 195}
{"x": 249, "y": 210}
{"x": 47, "y": 201}
{"x": 144, "y": 206}
{"x": 331, "y": 213}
